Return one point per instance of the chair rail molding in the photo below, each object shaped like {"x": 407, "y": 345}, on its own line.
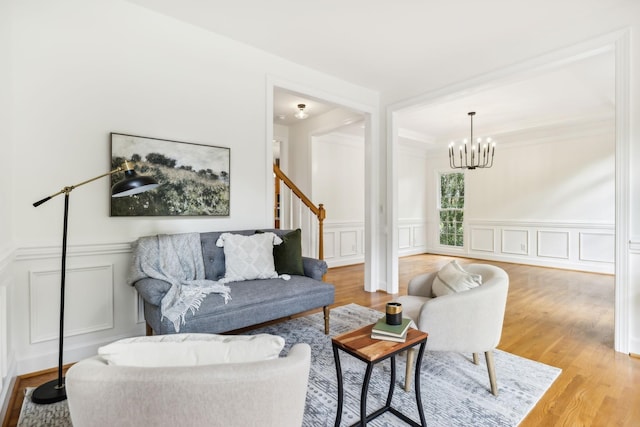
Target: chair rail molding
{"x": 45, "y": 252}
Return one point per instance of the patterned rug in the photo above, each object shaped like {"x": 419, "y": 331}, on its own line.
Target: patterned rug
{"x": 455, "y": 392}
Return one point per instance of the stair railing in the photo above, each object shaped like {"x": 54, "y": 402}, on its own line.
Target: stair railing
{"x": 318, "y": 211}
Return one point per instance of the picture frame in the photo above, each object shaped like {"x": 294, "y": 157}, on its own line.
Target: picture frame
{"x": 194, "y": 178}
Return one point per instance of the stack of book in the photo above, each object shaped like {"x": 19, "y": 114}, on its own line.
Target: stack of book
{"x": 383, "y": 331}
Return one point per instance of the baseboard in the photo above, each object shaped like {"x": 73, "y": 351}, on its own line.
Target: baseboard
{"x": 605, "y": 268}
{"x": 7, "y": 390}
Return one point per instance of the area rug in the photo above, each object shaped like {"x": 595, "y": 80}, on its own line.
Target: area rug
{"x": 455, "y": 392}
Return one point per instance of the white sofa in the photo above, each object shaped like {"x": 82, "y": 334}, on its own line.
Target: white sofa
{"x": 262, "y": 393}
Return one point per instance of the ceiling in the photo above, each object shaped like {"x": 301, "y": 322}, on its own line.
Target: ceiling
{"x": 404, "y": 47}
{"x": 285, "y": 105}
{"x": 572, "y": 94}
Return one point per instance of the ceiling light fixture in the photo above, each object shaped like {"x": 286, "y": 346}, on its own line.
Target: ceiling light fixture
{"x": 301, "y": 114}
{"x": 474, "y": 156}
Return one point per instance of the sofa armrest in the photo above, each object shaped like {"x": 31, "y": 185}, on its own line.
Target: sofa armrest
{"x": 152, "y": 290}
{"x": 314, "y": 268}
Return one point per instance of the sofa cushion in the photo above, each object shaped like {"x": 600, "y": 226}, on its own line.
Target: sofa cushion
{"x": 453, "y": 278}
{"x": 191, "y": 349}
{"x": 248, "y": 257}
{"x": 253, "y": 302}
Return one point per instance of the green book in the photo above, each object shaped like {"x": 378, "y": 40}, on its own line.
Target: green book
{"x": 399, "y": 331}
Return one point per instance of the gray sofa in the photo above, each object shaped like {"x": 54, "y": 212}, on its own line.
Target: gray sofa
{"x": 252, "y": 301}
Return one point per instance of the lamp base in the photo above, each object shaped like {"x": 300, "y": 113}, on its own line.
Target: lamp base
{"x": 49, "y": 393}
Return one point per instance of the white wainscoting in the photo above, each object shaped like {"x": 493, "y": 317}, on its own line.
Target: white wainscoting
{"x": 586, "y": 247}
{"x": 412, "y": 237}
{"x": 4, "y": 350}
{"x": 7, "y": 361}
{"x": 343, "y": 243}
{"x": 634, "y": 294}
{"x": 88, "y": 302}
{"x": 100, "y": 307}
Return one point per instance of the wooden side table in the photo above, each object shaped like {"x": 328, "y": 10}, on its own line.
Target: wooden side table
{"x": 359, "y": 344}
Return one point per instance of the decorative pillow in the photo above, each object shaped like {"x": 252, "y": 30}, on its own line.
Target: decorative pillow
{"x": 453, "y": 278}
{"x": 287, "y": 256}
{"x": 248, "y": 257}
{"x": 191, "y": 350}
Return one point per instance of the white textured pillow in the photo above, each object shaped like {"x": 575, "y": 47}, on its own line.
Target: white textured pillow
{"x": 191, "y": 350}
{"x": 248, "y": 257}
{"x": 453, "y": 278}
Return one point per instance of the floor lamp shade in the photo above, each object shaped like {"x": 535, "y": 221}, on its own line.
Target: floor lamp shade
{"x": 54, "y": 391}
{"x": 133, "y": 184}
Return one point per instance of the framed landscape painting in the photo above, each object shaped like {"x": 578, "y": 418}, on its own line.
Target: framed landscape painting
{"x": 194, "y": 178}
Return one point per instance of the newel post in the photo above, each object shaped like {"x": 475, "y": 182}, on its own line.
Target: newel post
{"x": 321, "y": 217}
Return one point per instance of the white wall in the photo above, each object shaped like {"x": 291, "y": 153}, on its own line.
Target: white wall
{"x": 338, "y": 183}
{"x": 548, "y": 200}
{"x": 82, "y": 69}
{"x": 6, "y": 178}
{"x": 413, "y": 197}
{"x": 338, "y": 175}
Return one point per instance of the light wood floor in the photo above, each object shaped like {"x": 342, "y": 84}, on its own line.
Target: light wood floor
{"x": 558, "y": 317}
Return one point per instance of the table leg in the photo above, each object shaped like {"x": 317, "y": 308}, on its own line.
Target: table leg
{"x": 363, "y": 395}
{"x": 417, "y": 384}
{"x": 393, "y": 381}
{"x": 336, "y": 358}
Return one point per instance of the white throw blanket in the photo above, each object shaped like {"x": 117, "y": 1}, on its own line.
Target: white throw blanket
{"x": 177, "y": 259}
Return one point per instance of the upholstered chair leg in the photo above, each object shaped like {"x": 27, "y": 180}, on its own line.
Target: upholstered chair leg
{"x": 408, "y": 374}
{"x": 475, "y": 358}
{"x": 492, "y": 372}
{"x": 149, "y": 330}
{"x": 325, "y": 309}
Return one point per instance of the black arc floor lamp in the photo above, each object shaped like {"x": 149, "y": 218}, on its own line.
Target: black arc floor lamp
{"x": 54, "y": 391}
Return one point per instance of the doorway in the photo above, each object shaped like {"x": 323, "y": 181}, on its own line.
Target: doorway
{"x": 296, "y": 153}
{"x": 618, "y": 45}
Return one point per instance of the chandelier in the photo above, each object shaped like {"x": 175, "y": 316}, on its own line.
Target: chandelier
{"x": 477, "y": 155}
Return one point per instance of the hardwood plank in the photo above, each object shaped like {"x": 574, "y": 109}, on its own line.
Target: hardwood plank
{"x": 558, "y": 317}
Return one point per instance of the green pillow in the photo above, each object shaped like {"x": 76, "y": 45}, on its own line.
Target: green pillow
{"x": 287, "y": 256}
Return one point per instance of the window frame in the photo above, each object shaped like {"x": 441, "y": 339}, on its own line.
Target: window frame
{"x": 440, "y": 209}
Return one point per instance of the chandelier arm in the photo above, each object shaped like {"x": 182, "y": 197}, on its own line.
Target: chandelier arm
{"x": 466, "y": 157}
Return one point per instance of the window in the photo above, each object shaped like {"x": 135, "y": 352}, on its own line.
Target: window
{"x": 451, "y": 209}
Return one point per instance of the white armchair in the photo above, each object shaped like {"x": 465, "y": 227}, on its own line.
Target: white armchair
{"x": 465, "y": 322}
{"x": 266, "y": 393}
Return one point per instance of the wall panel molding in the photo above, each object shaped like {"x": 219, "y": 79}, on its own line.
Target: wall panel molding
{"x": 89, "y": 304}
{"x": 515, "y": 241}
{"x": 482, "y": 239}
{"x": 573, "y": 245}
{"x": 553, "y": 244}
{"x": 4, "y": 349}
{"x": 412, "y": 236}
{"x": 44, "y": 252}
{"x": 597, "y": 247}
{"x": 343, "y": 243}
